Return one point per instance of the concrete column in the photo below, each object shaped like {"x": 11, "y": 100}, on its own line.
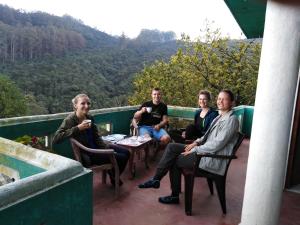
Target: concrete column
{"x": 275, "y": 95}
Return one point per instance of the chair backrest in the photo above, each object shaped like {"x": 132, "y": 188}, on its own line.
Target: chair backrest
{"x": 133, "y": 128}
{"x": 235, "y": 148}
{"x": 238, "y": 142}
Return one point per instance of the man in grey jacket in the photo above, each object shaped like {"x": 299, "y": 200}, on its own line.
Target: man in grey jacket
{"x": 220, "y": 138}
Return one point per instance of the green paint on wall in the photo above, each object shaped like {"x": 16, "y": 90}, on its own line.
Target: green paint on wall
{"x": 25, "y": 169}
{"x": 119, "y": 118}
{"x": 68, "y": 203}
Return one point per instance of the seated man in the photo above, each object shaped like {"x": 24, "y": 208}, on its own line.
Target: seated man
{"x": 153, "y": 117}
{"x": 220, "y": 138}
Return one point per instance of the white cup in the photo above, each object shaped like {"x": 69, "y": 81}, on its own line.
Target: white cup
{"x": 88, "y": 121}
{"x": 149, "y": 109}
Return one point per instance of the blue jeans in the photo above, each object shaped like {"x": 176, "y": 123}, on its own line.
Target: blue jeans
{"x": 156, "y": 134}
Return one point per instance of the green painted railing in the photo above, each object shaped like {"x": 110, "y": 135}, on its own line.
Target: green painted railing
{"x": 244, "y": 113}
{"x": 118, "y": 119}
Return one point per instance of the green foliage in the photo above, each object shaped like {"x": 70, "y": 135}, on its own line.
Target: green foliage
{"x": 52, "y": 59}
{"x": 12, "y": 102}
{"x": 35, "y": 142}
{"x": 212, "y": 63}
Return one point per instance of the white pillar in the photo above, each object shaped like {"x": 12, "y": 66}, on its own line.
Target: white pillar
{"x": 275, "y": 95}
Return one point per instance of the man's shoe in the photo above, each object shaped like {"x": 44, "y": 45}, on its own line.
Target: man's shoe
{"x": 150, "y": 184}
{"x": 169, "y": 200}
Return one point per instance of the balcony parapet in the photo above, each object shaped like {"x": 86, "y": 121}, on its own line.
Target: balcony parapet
{"x": 56, "y": 169}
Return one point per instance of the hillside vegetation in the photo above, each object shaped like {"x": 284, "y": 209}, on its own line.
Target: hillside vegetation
{"x": 51, "y": 59}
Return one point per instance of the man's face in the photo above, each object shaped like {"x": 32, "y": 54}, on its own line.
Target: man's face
{"x": 224, "y": 102}
{"x": 156, "y": 96}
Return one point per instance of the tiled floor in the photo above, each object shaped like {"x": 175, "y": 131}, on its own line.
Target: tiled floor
{"x": 140, "y": 207}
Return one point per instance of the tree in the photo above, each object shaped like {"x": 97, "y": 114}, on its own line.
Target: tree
{"x": 211, "y": 62}
{"x": 12, "y": 102}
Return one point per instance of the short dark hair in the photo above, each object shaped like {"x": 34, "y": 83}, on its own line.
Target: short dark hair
{"x": 206, "y": 93}
{"x": 229, "y": 93}
{"x": 155, "y": 89}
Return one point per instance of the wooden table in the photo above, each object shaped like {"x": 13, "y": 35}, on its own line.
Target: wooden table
{"x": 135, "y": 145}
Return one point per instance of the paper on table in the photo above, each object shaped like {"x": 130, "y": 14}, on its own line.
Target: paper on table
{"x": 113, "y": 137}
{"x": 134, "y": 140}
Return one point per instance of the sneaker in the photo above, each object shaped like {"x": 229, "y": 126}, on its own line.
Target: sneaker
{"x": 150, "y": 184}
{"x": 169, "y": 199}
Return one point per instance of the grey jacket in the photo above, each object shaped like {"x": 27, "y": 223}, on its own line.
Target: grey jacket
{"x": 219, "y": 139}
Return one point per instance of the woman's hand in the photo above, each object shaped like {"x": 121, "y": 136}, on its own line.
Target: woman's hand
{"x": 84, "y": 125}
{"x": 183, "y": 135}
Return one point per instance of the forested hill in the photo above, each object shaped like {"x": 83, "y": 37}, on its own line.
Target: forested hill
{"x": 53, "y": 58}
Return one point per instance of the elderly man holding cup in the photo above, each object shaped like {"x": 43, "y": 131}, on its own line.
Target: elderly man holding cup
{"x": 153, "y": 117}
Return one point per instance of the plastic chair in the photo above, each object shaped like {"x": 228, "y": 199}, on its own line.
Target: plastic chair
{"x": 220, "y": 181}
{"x": 78, "y": 147}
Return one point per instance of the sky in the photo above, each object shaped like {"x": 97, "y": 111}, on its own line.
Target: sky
{"x": 130, "y": 16}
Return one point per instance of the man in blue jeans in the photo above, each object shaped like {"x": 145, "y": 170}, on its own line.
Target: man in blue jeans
{"x": 153, "y": 117}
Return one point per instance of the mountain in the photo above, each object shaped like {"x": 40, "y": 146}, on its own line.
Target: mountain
{"x": 52, "y": 59}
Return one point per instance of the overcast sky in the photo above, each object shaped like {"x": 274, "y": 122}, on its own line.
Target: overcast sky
{"x": 130, "y": 16}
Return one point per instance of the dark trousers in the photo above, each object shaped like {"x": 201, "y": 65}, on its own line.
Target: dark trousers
{"x": 172, "y": 161}
{"x": 122, "y": 156}
{"x": 191, "y": 133}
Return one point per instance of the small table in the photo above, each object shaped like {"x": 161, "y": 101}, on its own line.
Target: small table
{"x": 135, "y": 144}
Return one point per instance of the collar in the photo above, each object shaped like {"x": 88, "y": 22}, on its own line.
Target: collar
{"x": 226, "y": 115}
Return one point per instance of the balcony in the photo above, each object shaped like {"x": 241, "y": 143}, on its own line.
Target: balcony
{"x": 61, "y": 203}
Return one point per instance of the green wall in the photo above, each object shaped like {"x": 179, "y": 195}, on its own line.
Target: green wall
{"x": 68, "y": 203}
{"x": 245, "y": 114}
{"x": 45, "y": 126}
{"x": 120, "y": 119}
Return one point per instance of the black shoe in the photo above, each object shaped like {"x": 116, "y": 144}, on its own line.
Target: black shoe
{"x": 150, "y": 184}
{"x": 169, "y": 199}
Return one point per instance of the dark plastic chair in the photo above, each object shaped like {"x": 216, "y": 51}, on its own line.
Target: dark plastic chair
{"x": 78, "y": 147}
{"x": 220, "y": 181}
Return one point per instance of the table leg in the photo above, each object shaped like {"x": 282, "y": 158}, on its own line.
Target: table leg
{"x": 146, "y": 155}
{"x": 131, "y": 163}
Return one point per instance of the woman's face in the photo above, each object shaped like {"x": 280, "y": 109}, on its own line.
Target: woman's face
{"x": 203, "y": 101}
{"x": 83, "y": 105}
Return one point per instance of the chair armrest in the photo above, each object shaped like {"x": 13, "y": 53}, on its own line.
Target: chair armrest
{"x": 91, "y": 150}
{"x": 200, "y": 155}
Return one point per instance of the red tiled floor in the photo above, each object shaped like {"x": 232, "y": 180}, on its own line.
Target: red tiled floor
{"x": 140, "y": 207}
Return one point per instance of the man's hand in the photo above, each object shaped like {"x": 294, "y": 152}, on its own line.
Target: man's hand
{"x": 186, "y": 153}
{"x": 157, "y": 127}
{"x": 143, "y": 109}
{"x": 190, "y": 147}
